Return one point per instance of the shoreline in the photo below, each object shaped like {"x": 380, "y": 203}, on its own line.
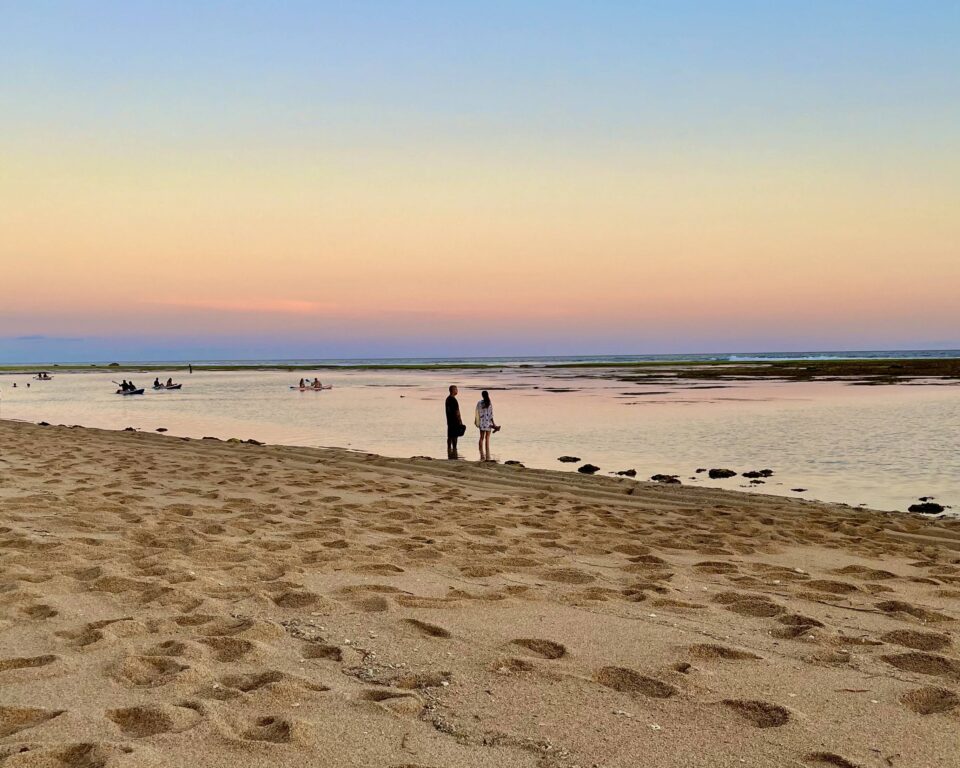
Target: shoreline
{"x": 202, "y": 603}
{"x": 865, "y": 371}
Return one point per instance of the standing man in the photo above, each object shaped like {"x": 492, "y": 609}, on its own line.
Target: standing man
{"x": 455, "y": 426}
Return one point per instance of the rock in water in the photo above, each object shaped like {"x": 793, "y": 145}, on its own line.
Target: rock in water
{"x": 569, "y": 459}
{"x": 667, "y": 479}
{"x": 927, "y": 508}
{"x": 719, "y": 474}
{"x": 627, "y": 473}
{"x": 588, "y": 469}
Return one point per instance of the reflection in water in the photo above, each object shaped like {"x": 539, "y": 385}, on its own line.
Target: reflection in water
{"x": 882, "y": 446}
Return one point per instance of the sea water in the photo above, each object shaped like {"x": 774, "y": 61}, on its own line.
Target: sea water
{"x": 882, "y": 446}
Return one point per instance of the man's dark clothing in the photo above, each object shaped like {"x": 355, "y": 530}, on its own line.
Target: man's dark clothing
{"x": 453, "y": 417}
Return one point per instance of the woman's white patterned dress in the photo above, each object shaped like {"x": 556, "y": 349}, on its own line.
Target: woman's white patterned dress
{"x": 485, "y": 417}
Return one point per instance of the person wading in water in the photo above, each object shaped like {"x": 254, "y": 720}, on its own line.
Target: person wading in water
{"x": 455, "y": 427}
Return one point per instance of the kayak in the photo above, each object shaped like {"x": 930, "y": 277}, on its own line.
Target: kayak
{"x": 171, "y": 386}
{"x": 313, "y": 389}
{"x": 130, "y": 392}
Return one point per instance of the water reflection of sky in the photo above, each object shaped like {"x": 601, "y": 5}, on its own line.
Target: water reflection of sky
{"x": 883, "y": 446}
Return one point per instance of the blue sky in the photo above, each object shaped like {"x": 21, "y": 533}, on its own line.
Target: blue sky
{"x": 326, "y": 179}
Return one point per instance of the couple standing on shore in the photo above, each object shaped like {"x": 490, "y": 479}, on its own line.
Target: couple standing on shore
{"x": 483, "y": 420}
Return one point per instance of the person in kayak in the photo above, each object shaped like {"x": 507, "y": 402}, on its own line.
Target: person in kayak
{"x": 303, "y": 383}
{"x": 317, "y": 384}
{"x": 169, "y": 382}
{"x": 156, "y": 383}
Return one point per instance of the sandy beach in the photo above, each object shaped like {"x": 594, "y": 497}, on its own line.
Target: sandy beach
{"x": 172, "y": 602}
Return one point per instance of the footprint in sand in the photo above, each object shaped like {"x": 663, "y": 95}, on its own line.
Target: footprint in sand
{"x": 270, "y": 728}
{"x": 629, "y": 681}
{"x": 711, "y": 652}
{"x": 251, "y": 681}
{"x": 371, "y": 604}
{"x": 16, "y": 719}
{"x": 215, "y": 626}
{"x": 147, "y": 671}
{"x": 296, "y": 599}
{"x": 829, "y": 758}
{"x": 74, "y": 755}
{"x": 924, "y": 664}
{"x": 867, "y": 574}
{"x": 715, "y": 567}
{"x": 930, "y": 700}
{"x": 399, "y": 702}
{"x": 830, "y": 587}
{"x": 545, "y": 649}
{"x": 322, "y": 651}
{"x": 380, "y": 569}
{"x": 140, "y": 722}
{"x": 39, "y": 612}
{"x": 228, "y": 649}
{"x": 749, "y": 605}
{"x": 509, "y": 665}
{"x": 919, "y": 641}
{"x": 428, "y": 630}
{"x": 899, "y": 609}
{"x": 168, "y": 648}
{"x": 759, "y": 714}
{"x": 26, "y": 662}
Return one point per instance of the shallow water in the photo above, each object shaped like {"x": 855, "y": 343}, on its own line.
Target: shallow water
{"x": 879, "y": 446}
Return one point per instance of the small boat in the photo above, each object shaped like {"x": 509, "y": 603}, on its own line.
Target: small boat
{"x": 130, "y": 392}
{"x": 168, "y": 386}
{"x": 43, "y": 377}
{"x": 313, "y": 389}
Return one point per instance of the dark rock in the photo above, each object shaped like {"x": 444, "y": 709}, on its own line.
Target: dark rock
{"x": 927, "y": 508}
{"x": 114, "y": 365}
{"x": 798, "y": 490}
{"x": 927, "y": 498}
{"x": 44, "y": 424}
{"x": 129, "y": 429}
{"x": 161, "y": 429}
{"x": 251, "y": 441}
{"x": 719, "y": 474}
{"x": 755, "y": 481}
{"x": 588, "y": 469}
{"x": 766, "y": 473}
{"x": 212, "y": 438}
{"x": 759, "y": 473}
{"x": 701, "y": 469}
{"x": 569, "y": 459}
{"x": 512, "y": 463}
{"x": 667, "y": 479}
{"x": 627, "y": 473}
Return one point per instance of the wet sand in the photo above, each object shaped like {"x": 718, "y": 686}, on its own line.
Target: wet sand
{"x": 171, "y": 602}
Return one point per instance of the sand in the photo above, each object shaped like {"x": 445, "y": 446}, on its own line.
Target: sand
{"x": 170, "y": 602}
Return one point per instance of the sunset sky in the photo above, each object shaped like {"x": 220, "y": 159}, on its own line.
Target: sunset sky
{"x": 305, "y": 179}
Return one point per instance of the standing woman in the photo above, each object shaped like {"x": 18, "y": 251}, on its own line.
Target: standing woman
{"x": 486, "y": 424}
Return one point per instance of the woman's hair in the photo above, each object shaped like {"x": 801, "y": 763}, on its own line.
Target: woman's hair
{"x": 486, "y": 399}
